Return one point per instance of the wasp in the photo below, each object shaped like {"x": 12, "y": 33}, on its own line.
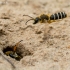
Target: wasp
{"x": 49, "y": 19}
{"x": 12, "y": 52}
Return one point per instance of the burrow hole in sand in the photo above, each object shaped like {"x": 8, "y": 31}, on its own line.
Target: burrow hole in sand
{"x": 17, "y": 54}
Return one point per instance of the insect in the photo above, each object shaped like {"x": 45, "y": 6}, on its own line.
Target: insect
{"x": 51, "y": 18}
{"x": 12, "y": 52}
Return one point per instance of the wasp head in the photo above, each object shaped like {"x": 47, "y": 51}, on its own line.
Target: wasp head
{"x": 36, "y": 20}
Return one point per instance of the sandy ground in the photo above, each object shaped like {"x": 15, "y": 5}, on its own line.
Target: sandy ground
{"x": 48, "y": 43}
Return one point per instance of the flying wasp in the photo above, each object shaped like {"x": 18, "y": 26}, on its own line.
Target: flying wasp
{"x": 51, "y": 18}
{"x": 12, "y": 52}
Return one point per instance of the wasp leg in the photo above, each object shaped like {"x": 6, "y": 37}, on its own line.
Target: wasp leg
{"x": 42, "y": 21}
{"x": 50, "y": 21}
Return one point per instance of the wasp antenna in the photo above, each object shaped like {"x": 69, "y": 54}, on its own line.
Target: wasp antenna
{"x": 29, "y": 20}
{"x": 15, "y": 47}
{"x": 28, "y": 16}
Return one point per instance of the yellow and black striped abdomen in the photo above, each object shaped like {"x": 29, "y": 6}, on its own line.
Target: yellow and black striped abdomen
{"x": 59, "y": 15}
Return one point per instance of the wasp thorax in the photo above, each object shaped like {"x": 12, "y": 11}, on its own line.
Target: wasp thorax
{"x": 44, "y": 17}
